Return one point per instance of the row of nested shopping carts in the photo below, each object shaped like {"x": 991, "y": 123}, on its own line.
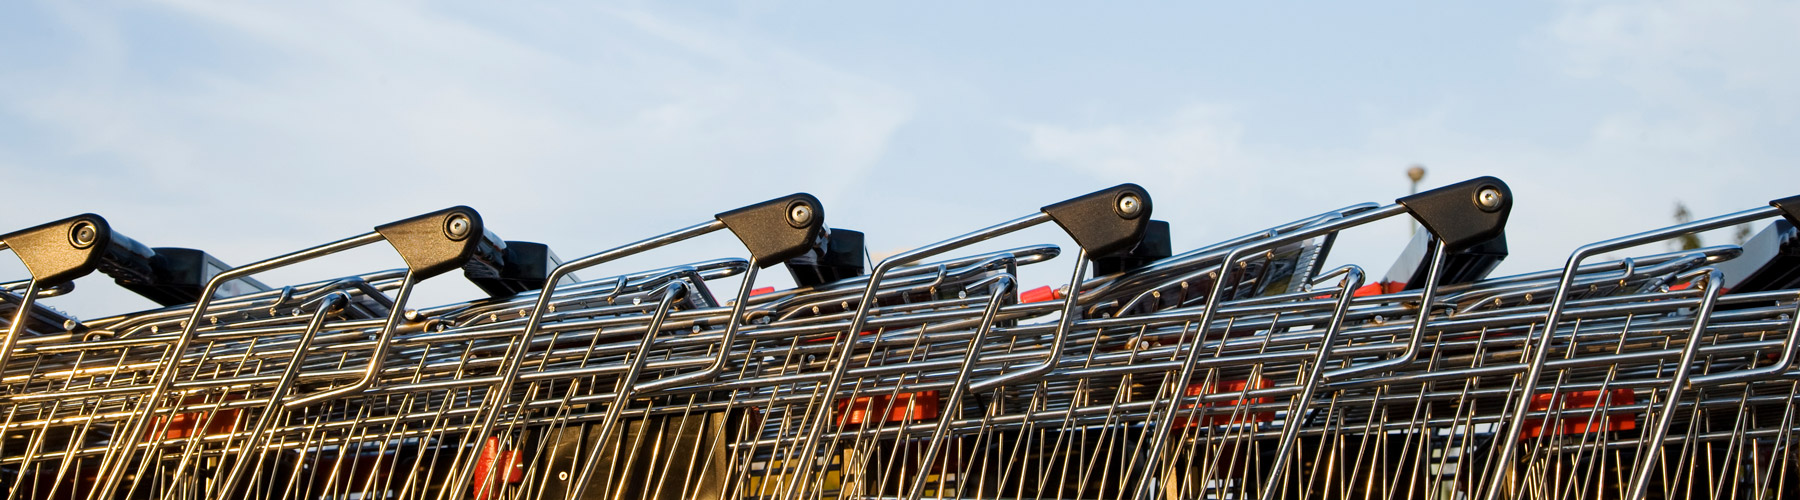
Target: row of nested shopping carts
{"x": 1244, "y": 369}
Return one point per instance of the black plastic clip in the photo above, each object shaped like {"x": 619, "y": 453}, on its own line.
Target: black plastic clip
{"x": 179, "y": 276}
{"x": 838, "y": 255}
{"x": 1462, "y": 266}
{"x": 779, "y": 229}
{"x": 1463, "y": 214}
{"x": 1104, "y": 222}
{"x": 1153, "y": 246}
{"x": 524, "y": 266}
{"x": 1770, "y": 261}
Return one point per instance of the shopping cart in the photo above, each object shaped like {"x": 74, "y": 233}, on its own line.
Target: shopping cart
{"x": 1245, "y": 368}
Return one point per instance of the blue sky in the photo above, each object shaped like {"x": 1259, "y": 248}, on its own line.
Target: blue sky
{"x": 251, "y": 130}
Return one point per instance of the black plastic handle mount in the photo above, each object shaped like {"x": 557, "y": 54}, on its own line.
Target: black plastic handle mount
{"x": 1790, "y": 208}
{"x": 779, "y": 229}
{"x": 1104, "y": 222}
{"x": 64, "y": 250}
{"x": 437, "y": 242}
{"x": 1463, "y": 214}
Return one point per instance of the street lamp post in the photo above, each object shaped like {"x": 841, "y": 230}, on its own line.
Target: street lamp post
{"x": 1415, "y": 172}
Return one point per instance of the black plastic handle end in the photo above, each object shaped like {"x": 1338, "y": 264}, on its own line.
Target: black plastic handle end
{"x": 1790, "y": 208}
{"x": 1463, "y": 214}
{"x": 779, "y": 229}
{"x": 437, "y": 242}
{"x": 61, "y": 251}
{"x": 1104, "y": 222}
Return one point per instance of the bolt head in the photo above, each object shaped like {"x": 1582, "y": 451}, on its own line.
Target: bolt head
{"x": 1489, "y": 199}
{"x": 1129, "y": 206}
{"x": 457, "y": 226}
{"x": 800, "y": 214}
{"x": 83, "y": 234}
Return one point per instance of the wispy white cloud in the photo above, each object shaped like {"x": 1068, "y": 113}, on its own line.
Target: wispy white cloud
{"x": 1686, "y": 49}
{"x": 1702, "y": 86}
{"x": 1195, "y": 142}
{"x": 297, "y": 124}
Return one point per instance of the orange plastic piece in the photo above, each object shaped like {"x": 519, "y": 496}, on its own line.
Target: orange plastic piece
{"x": 923, "y": 406}
{"x": 1382, "y": 288}
{"x": 511, "y": 462}
{"x": 1582, "y": 424}
{"x": 187, "y": 424}
{"x": 1227, "y": 417}
{"x": 760, "y": 291}
{"x": 1040, "y": 294}
{"x": 1690, "y": 284}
